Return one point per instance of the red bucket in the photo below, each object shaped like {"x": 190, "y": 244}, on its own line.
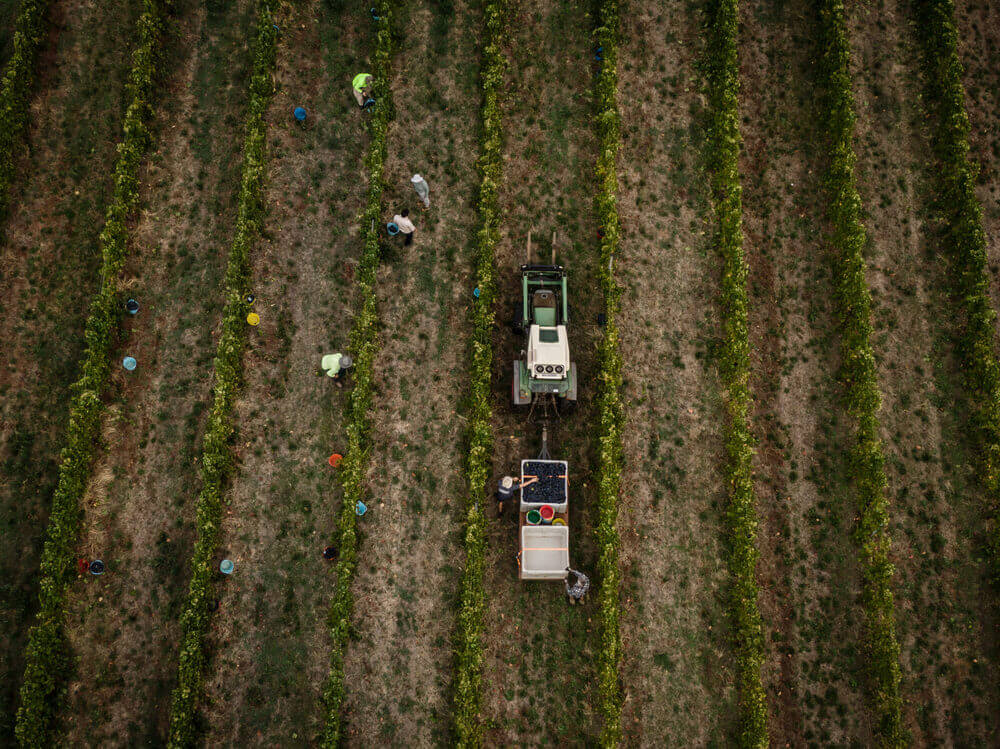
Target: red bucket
{"x": 547, "y": 513}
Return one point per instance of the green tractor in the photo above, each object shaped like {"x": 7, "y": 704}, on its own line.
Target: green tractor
{"x": 545, "y": 371}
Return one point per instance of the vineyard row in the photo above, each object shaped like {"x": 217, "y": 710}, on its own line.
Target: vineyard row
{"x": 15, "y": 91}
{"x": 722, "y": 72}
{"x": 862, "y": 399}
{"x": 216, "y": 457}
{"x": 609, "y": 403}
{"x": 363, "y": 347}
{"x": 960, "y": 216}
{"x": 472, "y": 598}
{"x": 47, "y": 663}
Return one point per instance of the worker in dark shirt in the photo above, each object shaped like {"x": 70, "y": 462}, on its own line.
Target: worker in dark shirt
{"x": 578, "y": 589}
{"x": 505, "y": 491}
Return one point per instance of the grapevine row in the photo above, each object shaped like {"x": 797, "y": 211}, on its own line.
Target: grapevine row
{"x": 609, "y": 405}
{"x": 858, "y": 376}
{"x": 472, "y": 604}
{"x": 15, "y": 90}
{"x": 47, "y": 657}
{"x": 961, "y": 218}
{"x": 722, "y": 72}
{"x": 363, "y": 347}
{"x": 216, "y": 459}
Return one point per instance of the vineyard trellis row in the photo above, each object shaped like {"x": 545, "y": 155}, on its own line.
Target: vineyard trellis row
{"x": 47, "y": 658}
{"x": 15, "y": 90}
{"x": 609, "y": 405}
{"x": 216, "y": 458}
{"x": 960, "y": 216}
{"x": 472, "y": 597}
{"x": 721, "y": 68}
{"x": 862, "y": 399}
{"x": 363, "y": 347}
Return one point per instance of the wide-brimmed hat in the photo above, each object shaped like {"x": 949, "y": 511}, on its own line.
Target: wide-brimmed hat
{"x": 507, "y": 482}
{"x": 346, "y": 361}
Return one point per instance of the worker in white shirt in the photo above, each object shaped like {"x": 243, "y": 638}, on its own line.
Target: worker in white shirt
{"x": 406, "y": 226}
{"x": 422, "y": 188}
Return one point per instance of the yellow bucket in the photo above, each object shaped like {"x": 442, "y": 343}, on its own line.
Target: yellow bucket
{"x": 253, "y": 319}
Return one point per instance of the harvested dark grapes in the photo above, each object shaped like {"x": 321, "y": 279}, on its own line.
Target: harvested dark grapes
{"x": 550, "y": 489}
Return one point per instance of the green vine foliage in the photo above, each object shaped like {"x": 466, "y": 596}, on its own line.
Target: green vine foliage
{"x": 722, "y": 155}
{"x": 858, "y": 376}
{"x": 47, "y": 657}
{"x": 960, "y": 216}
{"x": 216, "y": 458}
{"x": 468, "y": 644}
{"x": 364, "y": 345}
{"x": 609, "y": 404}
{"x": 15, "y": 90}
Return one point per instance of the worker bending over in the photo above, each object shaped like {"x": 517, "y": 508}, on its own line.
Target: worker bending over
{"x": 406, "y": 227}
{"x": 362, "y": 88}
{"x": 505, "y": 491}
{"x": 336, "y": 365}
{"x": 578, "y": 590}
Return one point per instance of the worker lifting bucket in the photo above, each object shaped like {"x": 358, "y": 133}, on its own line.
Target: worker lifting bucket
{"x": 547, "y": 513}
{"x": 534, "y": 517}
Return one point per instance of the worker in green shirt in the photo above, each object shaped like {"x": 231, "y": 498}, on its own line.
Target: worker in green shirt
{"x": 335, "y": 366}
{"x": 362, "y": 88}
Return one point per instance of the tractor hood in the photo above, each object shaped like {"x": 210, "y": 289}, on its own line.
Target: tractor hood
{"x": 548, "y": 352}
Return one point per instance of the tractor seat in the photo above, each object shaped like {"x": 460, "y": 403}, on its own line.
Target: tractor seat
{"x": 544, "y": 303}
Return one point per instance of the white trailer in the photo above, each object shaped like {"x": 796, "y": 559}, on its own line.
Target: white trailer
{"x": 544, "y": 546}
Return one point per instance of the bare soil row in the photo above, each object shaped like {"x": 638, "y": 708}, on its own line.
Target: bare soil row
{"x": 399, "y": 667}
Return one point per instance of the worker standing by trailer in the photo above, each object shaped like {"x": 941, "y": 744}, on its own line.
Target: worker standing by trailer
{"x": 506, "y": 488}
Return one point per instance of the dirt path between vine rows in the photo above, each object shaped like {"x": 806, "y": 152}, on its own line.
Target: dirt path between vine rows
{"x": 268, "y": 638}
{"x": 139, "y": 507}
{"x": 539, "y": 653}
{"x": 675, "y": 666}
{"x": 808, "y": 571}
{"x": 399, "y": 667}
{"x": 48, "y": 270}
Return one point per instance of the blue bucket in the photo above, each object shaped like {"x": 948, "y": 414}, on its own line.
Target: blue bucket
{"x": 129, "y": 363}
{"x": 227, "y": 567}
{"x": 362, "y": 508}
{"x": 299, "y": 113}
{"x": 392, "y": 229}
{"x": 132, "y": 306}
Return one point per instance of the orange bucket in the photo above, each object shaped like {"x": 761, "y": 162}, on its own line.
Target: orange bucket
{"x": 334, "y": 460}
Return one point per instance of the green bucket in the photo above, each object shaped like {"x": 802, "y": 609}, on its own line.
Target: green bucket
{"x": 534, "y": 517}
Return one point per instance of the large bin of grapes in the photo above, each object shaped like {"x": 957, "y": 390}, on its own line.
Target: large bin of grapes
{"x": 545, "y": 482}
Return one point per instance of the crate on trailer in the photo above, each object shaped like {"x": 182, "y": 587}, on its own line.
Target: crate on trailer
{"x": 544, "y": 482}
